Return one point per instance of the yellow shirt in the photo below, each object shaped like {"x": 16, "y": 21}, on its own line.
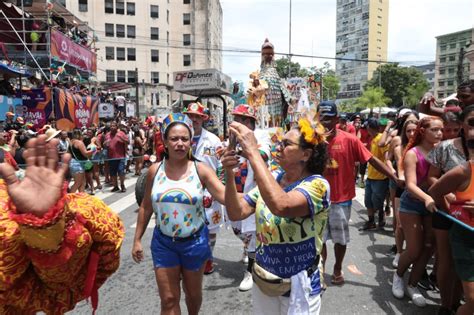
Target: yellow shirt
{"x": 378, "y": 152}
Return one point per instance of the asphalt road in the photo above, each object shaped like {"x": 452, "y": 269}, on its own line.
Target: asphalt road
{"x": 367, "y": 269}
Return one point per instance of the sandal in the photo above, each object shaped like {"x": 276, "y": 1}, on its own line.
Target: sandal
{"x": 337, "y": 280}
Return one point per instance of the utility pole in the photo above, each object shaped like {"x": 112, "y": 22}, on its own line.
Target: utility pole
{"x": 460, "y": 74}
{"x": 137, "y": 107}
{"x": 289, "y": 55}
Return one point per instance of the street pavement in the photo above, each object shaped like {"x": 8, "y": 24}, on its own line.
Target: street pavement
{"x": 367, "y": 271}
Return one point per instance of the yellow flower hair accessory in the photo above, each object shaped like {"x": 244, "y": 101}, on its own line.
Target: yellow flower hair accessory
{"x": 312, "y": 134}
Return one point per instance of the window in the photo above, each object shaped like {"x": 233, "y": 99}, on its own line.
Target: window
{"x": 452, "y": 58}
{"x": 109, "y": 30}
{"x": 155, "y": 77}
{"x": 120, "y": 75}
{"x": 186, "y": 18}
{"x": 154, "y": 33}
{"x": 186, "y": 39}
{"x": 168, "y": 16}
{"x": 167, "y": 59}
{"x": 120, "y": 53}
{"x": 186, "y": 60}
{"x": 131, "y": 31}
{"x": 453, "y": 45}
{"x": 441, "y": 82}
{"x": 62, "y": 2}
{"x": 130, "y": 8}
{"x": 451, "y": 70}
{"x": 167, "y": 37}
{"x": 155, "y": 55}
{"x": 442, "y": 71}
{"x": 186, "y": 1}
{"x": 109, "y": 6}
{"x": 131, "y": 54}
{"x": 110, "y": 75}
{"x": 442, "y": 59}
{"x": 82, "y": 5}
{"x": 120, "y": 8}
{"x": 109, "y": 53}
{"x": 131, "y": 76}
{"x": 450, "y": 82}
{"x": 120, "y": 30}
{"x": 154, "y": 11}
{"x": 442, "y": 47}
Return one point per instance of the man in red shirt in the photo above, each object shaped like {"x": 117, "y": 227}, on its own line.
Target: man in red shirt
{"x": 116, "y": 142}
{"x": 345, "y": 126}
{"x": 344, "y": 150}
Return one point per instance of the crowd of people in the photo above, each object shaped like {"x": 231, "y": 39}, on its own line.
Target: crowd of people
{"x": 418, "y": 163}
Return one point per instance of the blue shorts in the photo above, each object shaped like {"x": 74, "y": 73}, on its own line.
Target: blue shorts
{"x": 190, "y": 254}
{"x": 411, "y": 205}
{"x": 76, "y": 167}
{"x": 117, "y": 167}
{"x": 375, "y": 193}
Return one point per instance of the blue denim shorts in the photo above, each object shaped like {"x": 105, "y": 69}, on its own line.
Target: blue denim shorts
{"x": 117, "y": 167}
{"x": 411, "y": 205}
{"x": 190, "y": 254}
{"x": 76, "y": 167}
{"x": 375, "y": 193}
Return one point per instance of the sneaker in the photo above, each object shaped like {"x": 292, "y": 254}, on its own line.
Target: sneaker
{"x": 209, "y": 268}
{"x": 395, "y": 260}
{"x": 247, "y": 282}
{"x": 397, "y": 286}
{"x": 115, "y": 189}
{"x": 417, "y": 298}
{"x": 368, "y": 226}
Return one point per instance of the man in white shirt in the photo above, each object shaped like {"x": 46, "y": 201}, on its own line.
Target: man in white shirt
{"x": 205, "y": 146}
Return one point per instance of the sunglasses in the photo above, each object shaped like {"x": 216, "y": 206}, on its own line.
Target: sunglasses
{"x": 284, "y": 143}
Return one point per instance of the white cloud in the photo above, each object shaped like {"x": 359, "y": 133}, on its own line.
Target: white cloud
{"x": 413, "y": 26}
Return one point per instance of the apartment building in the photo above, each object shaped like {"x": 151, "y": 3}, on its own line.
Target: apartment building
{"x": 361, "y": 34}
{"x": 155, "y": 37}
{"x": 451, "y": 62}
{"x": 428, "y": 72}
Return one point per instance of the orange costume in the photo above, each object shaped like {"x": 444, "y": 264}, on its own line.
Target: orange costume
{"x": 52, "y": 262}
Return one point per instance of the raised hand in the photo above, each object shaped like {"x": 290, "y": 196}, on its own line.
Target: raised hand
{"x": 245, "y": 137}
{"x": 43, "y": 182}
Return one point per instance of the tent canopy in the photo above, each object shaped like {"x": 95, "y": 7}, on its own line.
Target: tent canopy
{"x": 381, "y": 110}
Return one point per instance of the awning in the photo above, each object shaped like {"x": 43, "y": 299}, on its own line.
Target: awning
{"x": 10, "y": 69}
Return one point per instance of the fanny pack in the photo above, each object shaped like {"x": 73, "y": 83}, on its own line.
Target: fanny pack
{"x": 273, "y": 285}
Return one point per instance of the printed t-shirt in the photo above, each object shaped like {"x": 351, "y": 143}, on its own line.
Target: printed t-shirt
{"x": 378, "y": 152}
{"x": 344, "y": 151}
{"x": 117, "y": 145}
{"x": 286, "y": 246}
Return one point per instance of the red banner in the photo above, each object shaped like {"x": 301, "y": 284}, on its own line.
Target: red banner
{"x": 74, "y": 54}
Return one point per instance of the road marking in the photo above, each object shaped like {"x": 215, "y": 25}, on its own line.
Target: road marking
{"x": 106, "y": 191}
{"x": 151, "y": 224}
{"x": 123, "y": 203}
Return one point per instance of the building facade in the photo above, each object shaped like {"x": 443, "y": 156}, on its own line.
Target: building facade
{"x": 429, "y": 73}
{"x": 155, "y": 38}
{"x": 452, "y": 65}
{"x": 361, "y": 34}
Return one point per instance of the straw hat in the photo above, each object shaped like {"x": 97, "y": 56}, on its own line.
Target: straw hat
{"x": 51, "y": 133}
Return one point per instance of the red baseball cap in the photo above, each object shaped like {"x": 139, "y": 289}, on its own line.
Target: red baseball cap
{"x": 197, "y": 109}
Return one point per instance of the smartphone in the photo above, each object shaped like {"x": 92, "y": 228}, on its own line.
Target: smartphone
{"x": 232, "y": 142}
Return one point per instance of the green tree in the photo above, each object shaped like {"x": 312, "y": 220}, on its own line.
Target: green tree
{"x": 373, "y": 97}
{"x": 348, "y": 106}
{"x": 401, "y": 84}
{"x": 296, "y": 69}
{"x": 330, "y": 86}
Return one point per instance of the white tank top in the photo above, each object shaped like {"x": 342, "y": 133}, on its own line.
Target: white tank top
{"x": 178, "y": 204}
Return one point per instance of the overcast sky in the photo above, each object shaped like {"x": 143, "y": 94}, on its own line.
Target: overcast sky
{"x": 413, "y": 25}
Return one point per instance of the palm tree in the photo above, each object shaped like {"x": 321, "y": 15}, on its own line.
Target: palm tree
{"x": 373, "y": 97}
